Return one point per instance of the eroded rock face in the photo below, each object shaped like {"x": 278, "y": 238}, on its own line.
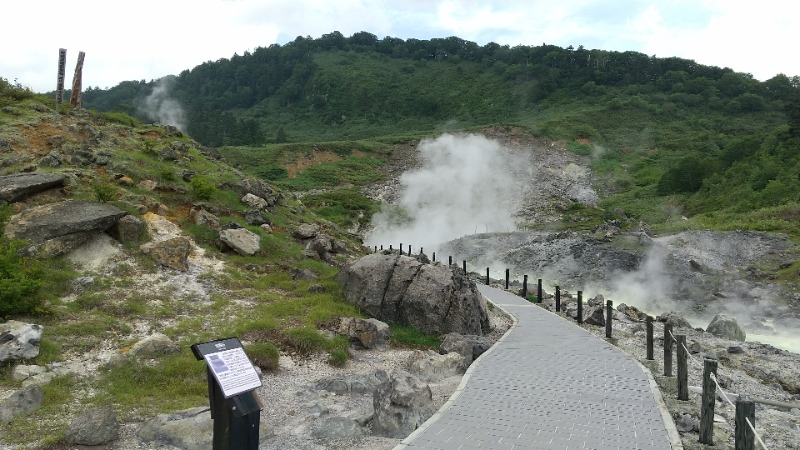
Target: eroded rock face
{"x": 60, "y": 227}
{"x": 18, "y": 186}
{"x": 402, "y": 404}
{"x": 94, "y": 427}
{"x": 172, "y": 253}
{"x": 368, "y": 333}
{"x": 432, "y": 298}
{"x": 725, "y": 326}
{"x": 19, "y": 340}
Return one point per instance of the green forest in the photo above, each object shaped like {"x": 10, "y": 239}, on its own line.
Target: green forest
{"x": 709, "y": 143}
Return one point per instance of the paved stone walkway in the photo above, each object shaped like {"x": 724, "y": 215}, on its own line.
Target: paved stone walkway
{"x": 548, "y": 384}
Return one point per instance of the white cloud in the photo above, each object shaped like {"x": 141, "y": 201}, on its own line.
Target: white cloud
{"x": 149, "y": 39}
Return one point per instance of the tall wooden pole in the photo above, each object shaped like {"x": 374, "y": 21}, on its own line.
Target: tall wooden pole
{"x": 77, "y": 82}
{"x": 62, "y": 65}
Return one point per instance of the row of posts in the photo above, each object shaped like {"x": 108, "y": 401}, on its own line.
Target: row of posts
{"x": 745, "y": 408}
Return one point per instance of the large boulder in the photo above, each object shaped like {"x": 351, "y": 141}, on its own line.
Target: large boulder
{"x": 369, "y": 333}
{"x": 172, "y": 253}
{"x": 468, "y": 346}
{"x": 402, "y": 404}
{"x": 675, "y": 319}
{"x": 25, "y": 400}
{"x": 60, "y": 227}
{"x": 241, "y": 240}
{"x": 94, "y": 427}
{"x": 19, "y": 340}
{"x": 725, "y": 326}
{"x": 431, "y": 298}
{"x": 128, "y": 229}
{"x": 18, "y": 186}
{"x": 259, "y": 189}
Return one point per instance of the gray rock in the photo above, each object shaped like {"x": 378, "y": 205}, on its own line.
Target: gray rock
{"x": 191, "y": 429}
{"x": 316, "y": 288}
{"x": 675, "y": 319}
{"x": 19, "y": 340}
{"x": 128, "y": 229}
{"x": 432, "y": 298}
{"x": 23, "y": 372}
{"x": 352, "y": 384}
{"x": 736, "y": 349}
{"x": 255, "y": 217}
{"x": 303, "y": 274}
{"x": 23, "y": 401}
{"x": 595, "y": 315}
{"x": 431, "y": 367}
{"x": 242, "y": 241}
{"x": 172, "y": 253}
{"x": 259, "y": 189}
{"x": 368, "y": 333}
{"x": 725, "y": 326}
{"x": 18, "y": 186}
{"x": 202, "y": 217}
{"x": 336, "y": 428}
{"x": 319, "y": 247}
{"x": 94, "y": 427}
{"x": 687, "y": 423}
{"x": 67, "y": 224}
{"x": 469, "y": 346}
{"x": 306, "y": 231}
{"x": 53, "y": 159}
{"x": 254, "y": 201}
{"x": 401, "y": 405}
{"x": 154, "y": 346}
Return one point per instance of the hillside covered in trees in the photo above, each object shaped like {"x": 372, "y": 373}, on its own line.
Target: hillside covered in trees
{"x": 707, "y": 139}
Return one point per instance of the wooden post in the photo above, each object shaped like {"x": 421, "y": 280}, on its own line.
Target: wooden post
{"x": 421, "y": 250}
{"x": 401, "y": 249}
{"x": 409, "y": 250}
{"x": 381, "y": 247}
{"x": 434, "y": 257}
{"x": 649, "y": 326}
{"x": 744, "y": 436}
{"x": 376, "y": 249}
{"x": 77, "y": 82}
{"x": 524, "y": 286}
{"x": 609, "y": 317}
{"x": 539, "y": 291}
{"x": 464, "y": 264}
{"x": 487, "y": 276}
{"x": 558, "y": 299}
{"x": 390, "y": 248}
{"x": 449, "y": 260}
{"x": 707, "y": 402}
{"x": 507, "y": 276}
{"x": 62, "y": 66}
{"x": 667, "y": 350}
{"x": 580, "y": 306}
{"x": 683, "y": 368}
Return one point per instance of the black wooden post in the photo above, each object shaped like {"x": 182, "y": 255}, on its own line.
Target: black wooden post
{"x": 524, "y": 286}
{"x": 558, "y": 299}
{"x": 649, "y": 326}
{"x": 381, "y": 247}
{"x": 464, "y": 264}
{"x": 421, "y": 250}
{"x": 744, "y": 436}
{"x": 487, "y": 276}
{"x": 580, "y": 306}
{"x": 409, "y": 250}
{"x": 376, "y": 249}
{"x": 401, "y": 249}
{"x": 390, "y": 248}
{"x": 609, "y": 317}
{"x": 434, "y": 257}
{"x": 683, "y": 368}
{"x": 667, "y": 350}
{"x": 449, "y": 260}
{"x": 707, "y": 402}
{"x": 507, "y": 275}
{"x": 539, "y": 291}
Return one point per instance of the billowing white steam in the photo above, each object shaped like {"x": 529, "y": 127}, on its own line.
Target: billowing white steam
{"x": 162, "y": 108}
{"x": 463, "y": 187}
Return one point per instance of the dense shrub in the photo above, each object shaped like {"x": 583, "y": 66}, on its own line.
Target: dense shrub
{"x": 20, "y": 280}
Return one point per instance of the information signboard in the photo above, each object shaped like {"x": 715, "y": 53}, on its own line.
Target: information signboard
{"x": 230, "y": 366}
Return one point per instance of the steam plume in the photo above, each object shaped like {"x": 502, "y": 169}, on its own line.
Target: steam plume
{"x": 161, "y": 107}
{"x": 462, "y": 187}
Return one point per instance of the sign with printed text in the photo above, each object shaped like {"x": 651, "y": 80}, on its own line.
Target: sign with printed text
{"x": 230, "y": 366}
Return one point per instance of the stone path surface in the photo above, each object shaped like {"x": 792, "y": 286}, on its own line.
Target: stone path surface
{"x": 549, "y": 384}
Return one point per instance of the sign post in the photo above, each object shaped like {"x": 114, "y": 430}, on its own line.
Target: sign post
{"x": 232, "y": 380}
{"x": 62, "y": 66}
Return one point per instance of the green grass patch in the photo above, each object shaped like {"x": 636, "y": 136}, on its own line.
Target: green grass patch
{"x": 407, "y": 337}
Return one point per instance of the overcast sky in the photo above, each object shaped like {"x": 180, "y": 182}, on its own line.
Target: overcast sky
{"x": 148, "y": 39}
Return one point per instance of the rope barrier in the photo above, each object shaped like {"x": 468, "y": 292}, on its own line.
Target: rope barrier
{"x": 723, "y": 394}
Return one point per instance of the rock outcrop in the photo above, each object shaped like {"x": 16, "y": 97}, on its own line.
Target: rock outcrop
{"x": 401, "y": 404}
{"x": 23, "y": 401}
{"x": 240, "y": 240}
{"x": 18, "y": 186}
{"x": 94, "y": 427}
{"x": 432, "y": 298}
{"x": 19, "y": 340}
{"x": 367, "y": 333}
{"x": 60, "y": 227}
{"x": 725, "y": 326}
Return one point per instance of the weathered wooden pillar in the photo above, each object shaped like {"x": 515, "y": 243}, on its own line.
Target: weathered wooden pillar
{"x": 525, "y": 286}
{"x": 539, "y": 291}
{"x": 558, "y": 299}
{"x": 683, "y": 368}
{"x": 487, "y": 276}
{"x": 580, "y": 306}
{"x": 609, "y": 317}
{"x": 77, "y": 82}
{"x": 667, "y": 350}
{"x": 743, "y": 436}
{"x": 508, "y": 274}
{"x": 707, "y": 402}
{"x": 649, "y": 326}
